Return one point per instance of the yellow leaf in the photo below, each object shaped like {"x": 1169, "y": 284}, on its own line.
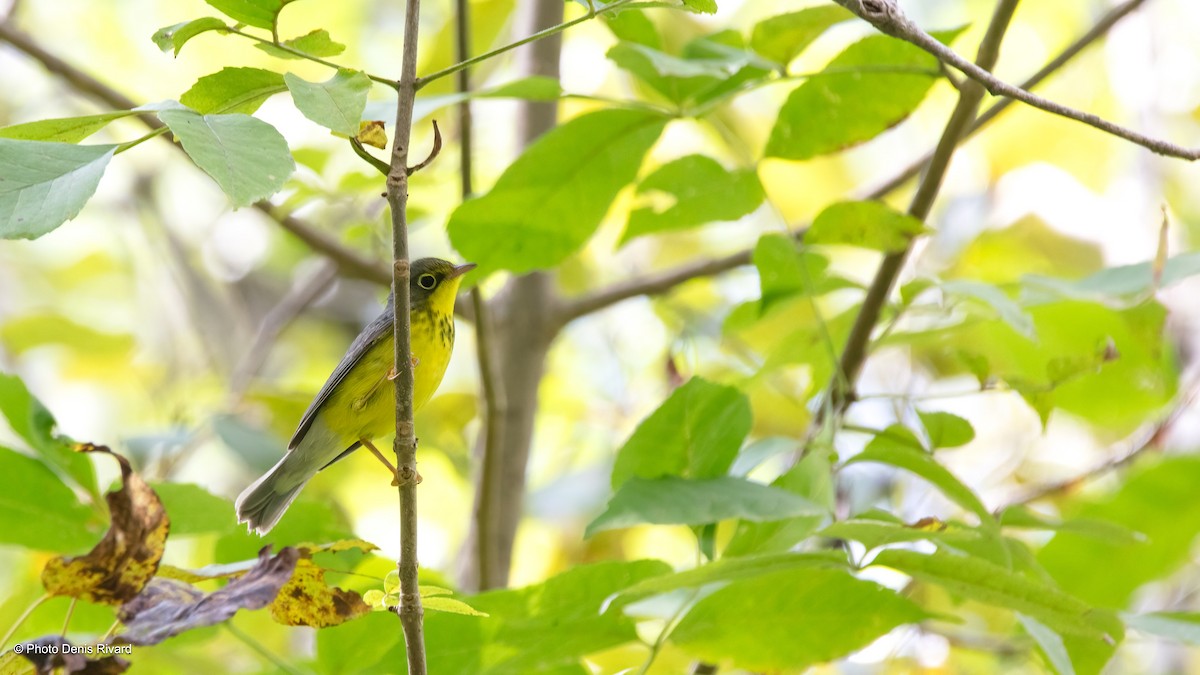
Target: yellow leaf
{"x": 306, "y": 600}
{"x": 125, "y": 560}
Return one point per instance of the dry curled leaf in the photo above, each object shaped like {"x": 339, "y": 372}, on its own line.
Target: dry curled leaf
{"x": 54, "y": 653}
{"x": 307, "y": 600}
{"x": 372, "y": 133}
{"x": 168, "y": 607}
{"x": 120, "y": 566}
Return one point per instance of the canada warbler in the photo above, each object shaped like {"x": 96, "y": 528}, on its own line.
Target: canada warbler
{"x": 357, "y": 402}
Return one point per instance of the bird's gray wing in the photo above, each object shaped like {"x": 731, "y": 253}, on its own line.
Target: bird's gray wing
{"x": 375, "y": 331}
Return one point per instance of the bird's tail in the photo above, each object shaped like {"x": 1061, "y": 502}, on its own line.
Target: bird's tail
{"x": 262, "y": 504}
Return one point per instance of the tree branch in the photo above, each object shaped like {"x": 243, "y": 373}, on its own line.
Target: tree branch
{"x": 854, "y": 354}
{"x": 410, "y": 610}
{"x": 887, "y": 17}
{"x": 350, "y": 263}
{"x": 1099, "y": 30}
{"x": 663, "y": 282}
{"x": 547, "y": 32}
{"x": 651, "y": 284}
{"x": 1148, "y": 440}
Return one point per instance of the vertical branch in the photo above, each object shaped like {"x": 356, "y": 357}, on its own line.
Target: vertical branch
{"x": 486, "y": 518}
{"x": 410, "y": 611}
{"x": 525, "y": 319}
{"x": 855, "y": 352}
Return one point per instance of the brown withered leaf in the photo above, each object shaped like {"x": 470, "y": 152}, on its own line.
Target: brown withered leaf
{"x": 127, "y": 557}
{"x": 37, "y": 657}
{"x": 372, "y": 133}
{"x": 307, "y": 600}
{"x": 168, "y": 607}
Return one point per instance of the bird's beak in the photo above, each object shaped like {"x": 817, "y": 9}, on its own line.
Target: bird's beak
{"x": 460, "y": 270}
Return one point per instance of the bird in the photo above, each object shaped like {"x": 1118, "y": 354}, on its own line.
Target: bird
{"x": 357, "y": 402}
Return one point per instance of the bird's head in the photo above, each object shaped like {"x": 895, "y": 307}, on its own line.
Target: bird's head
{"x": 434, "y": 282}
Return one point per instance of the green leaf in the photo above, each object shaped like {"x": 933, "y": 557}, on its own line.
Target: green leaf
{"x": 38, "y": 511}
{"x": 336, "y": 104}
{"x": 233, "y": 90}
{"x": 43, "y": 185}
{"x": 706, "y": 71}
{"x": 63, "y": 130}
{"x": 1023, "y": 516}
{"x": 786, "y": 269}
{"x": 782, "y": 38}
{"x": 552, "y": 198}
{"x": 1112, "y": 367}
{"x": 1180, "y": 626}
{"x": 194, "y": 510}
{"x": 791, "y": 619}
{"x": 873, "y": 533}
{"x": 257, "y": 13}
{"x": 1157, "y": 499}
{"x": 702, "y": 6}
{"x": 873, "y": 225}
{"x": 23, "y": 333}
{"x": 695, "y": 433}
{"x": 450, "y": 605}
{"x": 532, "y": 88}
{"x": 725, "y": 570}
{"x": 1050, "y": 643}
{"x": 701, "y": 190}
{"x": 946, "y": 430}
{"x": 1006, "y": 309}
{"x": 1124, "y": 285}
{"x": 316, "y": 43}
{"x": 634, "y": 26}
{"x": 855, "y": 100}
{"x": 994, "y": 585}
{"x": 898, "y": 447}
{"x": 812, "y": 479}
{"x": 30, "y": 420}
{"x": 679, "y": 501}
{"x": 546, "y": 628}
{"x": 245, "y": 156}
{"x": 173, "y": 38}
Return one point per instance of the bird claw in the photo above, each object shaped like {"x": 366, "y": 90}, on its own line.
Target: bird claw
{"x": 393, "y": 373}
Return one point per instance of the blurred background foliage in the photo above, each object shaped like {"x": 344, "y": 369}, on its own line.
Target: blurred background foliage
{"x": 167, "y": 324}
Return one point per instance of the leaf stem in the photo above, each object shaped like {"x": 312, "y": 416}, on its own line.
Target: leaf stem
{"x": 21, "y": 619}
{"x": 304, "y": 55}
{"x": 261, "y": 650}
{"x": 553, "y": 30}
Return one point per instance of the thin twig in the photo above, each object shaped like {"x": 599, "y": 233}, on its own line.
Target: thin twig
{"x": 302, "y": 294}
{"x": 1148, "y": 440}
{"x": 379, "y": 165}
{"x": 887, "y": 17}
{"x": 433, "y": 153}
{"x": 663, "y": 282}
{"x": 1099, "y": 30}
{"x": 553, "y": 30}
{"x": 487, "y": 527}
{"x": 275, "y": 43}
{"x": 350, "y": 263}
{"x": 21, "y": 619}
{"x": 258, "y": 647}
{"x": 854, "y": 353}
{"x": 653, "y": 284}
{"x": 410, "y": 610}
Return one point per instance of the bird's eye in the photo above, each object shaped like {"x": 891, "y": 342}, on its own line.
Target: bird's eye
{"x": 427, "y": 281}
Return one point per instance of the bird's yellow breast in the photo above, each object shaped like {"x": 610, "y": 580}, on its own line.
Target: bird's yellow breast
{"x": 364, "y": 405}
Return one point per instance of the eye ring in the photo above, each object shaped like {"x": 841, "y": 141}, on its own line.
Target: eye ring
{"x": 427, "y": 281}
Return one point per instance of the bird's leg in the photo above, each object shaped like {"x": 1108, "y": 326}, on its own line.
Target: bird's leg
{"x": 392, "y": 374}
{"x": 379, "y": 455}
